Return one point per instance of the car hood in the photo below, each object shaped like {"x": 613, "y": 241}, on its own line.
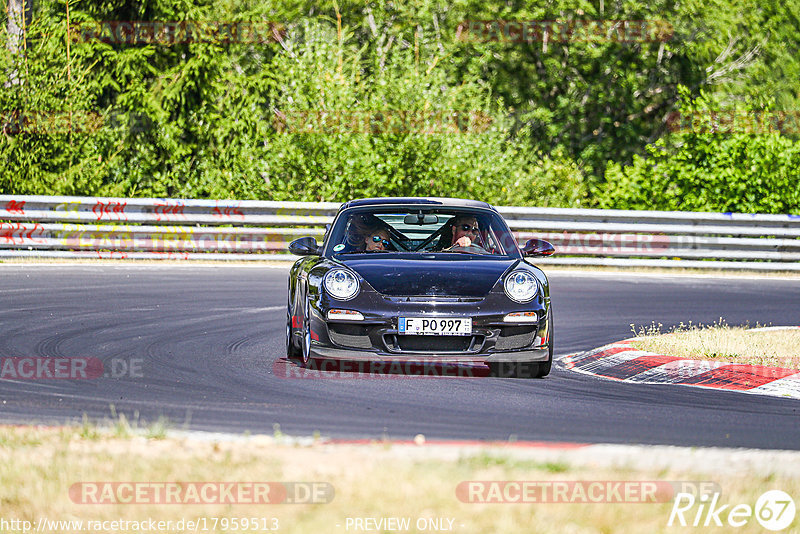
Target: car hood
{"x": 451, "y": 277}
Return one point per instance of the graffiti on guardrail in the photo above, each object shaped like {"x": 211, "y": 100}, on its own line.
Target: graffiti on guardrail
{"x": 163, "y": 209}
{"x": 122, "y": 231}
{"x": 168, "y": 210}
{"x": 78, "y": 238}
{"x": 111, "y": 255}
{"x": 12, "y": 206}
{"x": 172, "y": 255}
{"x": 20, "y": 234}
{"x": 232, "y": 211}
{"x": 109, "y": 210}
{"x": 68, "y": 207}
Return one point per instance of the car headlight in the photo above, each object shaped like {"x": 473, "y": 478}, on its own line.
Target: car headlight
{"x": 341, "y": 284}
{"x": 521, "y": 286}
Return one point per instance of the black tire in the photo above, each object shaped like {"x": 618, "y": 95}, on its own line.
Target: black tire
{"x": 305, "y": 343}
{"x": 292, "y": 352}
{"x": 544, "y": 367}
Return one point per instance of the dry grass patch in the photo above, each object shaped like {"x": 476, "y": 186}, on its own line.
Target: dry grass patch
{"x": 38, "y": 466}
{"x": 720, "y": 342}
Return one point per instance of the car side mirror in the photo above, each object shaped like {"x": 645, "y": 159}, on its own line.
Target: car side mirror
{"x": 537, "y": 247}
{"x": 305, "y": 246}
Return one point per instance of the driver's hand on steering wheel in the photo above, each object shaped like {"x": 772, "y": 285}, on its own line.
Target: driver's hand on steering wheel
{"x": 463, "y": 242}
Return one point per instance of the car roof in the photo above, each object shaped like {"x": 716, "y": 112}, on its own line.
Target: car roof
{"x": 430, "y": 201}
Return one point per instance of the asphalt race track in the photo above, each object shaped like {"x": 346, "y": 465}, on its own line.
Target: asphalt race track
{"x": 202, "y": 342}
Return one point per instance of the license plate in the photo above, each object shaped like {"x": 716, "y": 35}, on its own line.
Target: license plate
{"x": 436, "y": 326}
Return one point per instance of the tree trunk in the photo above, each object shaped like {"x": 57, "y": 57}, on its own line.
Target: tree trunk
{"x": 19, "y": 17}
{"x": 19, "y": 14}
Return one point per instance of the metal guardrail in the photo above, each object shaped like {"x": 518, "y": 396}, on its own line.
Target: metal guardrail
{"x": 135, "y": 228}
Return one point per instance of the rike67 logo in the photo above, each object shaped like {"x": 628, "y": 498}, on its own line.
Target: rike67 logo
{"x": 774, "y": 510}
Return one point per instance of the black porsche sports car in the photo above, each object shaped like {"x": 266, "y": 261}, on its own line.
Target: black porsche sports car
{"x": 421, "y": 279}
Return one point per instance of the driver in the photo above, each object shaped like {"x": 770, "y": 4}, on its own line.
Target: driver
{"x": 465, "y": 231}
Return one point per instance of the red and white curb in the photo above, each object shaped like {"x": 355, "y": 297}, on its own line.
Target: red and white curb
{"x": 620, "y": 361}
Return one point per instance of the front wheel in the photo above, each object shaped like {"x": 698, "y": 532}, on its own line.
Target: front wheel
{"x": 305, "y": 345}
{"x": 292, "y": 352}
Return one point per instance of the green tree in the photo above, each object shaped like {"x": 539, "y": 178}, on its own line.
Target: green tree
{"x": 711, "y": 167}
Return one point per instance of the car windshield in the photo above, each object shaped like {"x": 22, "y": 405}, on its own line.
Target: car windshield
{"x": 421, "y": 231}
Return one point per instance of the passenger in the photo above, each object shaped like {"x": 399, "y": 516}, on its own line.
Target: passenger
{"x": 368, "y": 233}
{"x": 377, "y": 239}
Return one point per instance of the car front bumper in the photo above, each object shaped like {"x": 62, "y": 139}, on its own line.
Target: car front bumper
{"x": 335, "y": 353}
{"x": 376, "y": 337}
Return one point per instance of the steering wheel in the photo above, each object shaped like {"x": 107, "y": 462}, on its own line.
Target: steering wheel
{"x": 477, "y": 249}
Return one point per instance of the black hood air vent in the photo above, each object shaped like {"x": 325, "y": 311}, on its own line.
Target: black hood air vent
{"x": 433, "y": 298}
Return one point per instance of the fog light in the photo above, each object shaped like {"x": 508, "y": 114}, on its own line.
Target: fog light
{"x": 345, "y": 315}
{"x": 521, "y": 317}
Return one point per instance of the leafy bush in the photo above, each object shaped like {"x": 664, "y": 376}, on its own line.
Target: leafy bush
{"x": 48, "y": 140}
{"x": 537, "y": 121}
{"x": 475, "y": 156}
{"x": 725, "y": 171}
{"x": 323, "y": 115}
